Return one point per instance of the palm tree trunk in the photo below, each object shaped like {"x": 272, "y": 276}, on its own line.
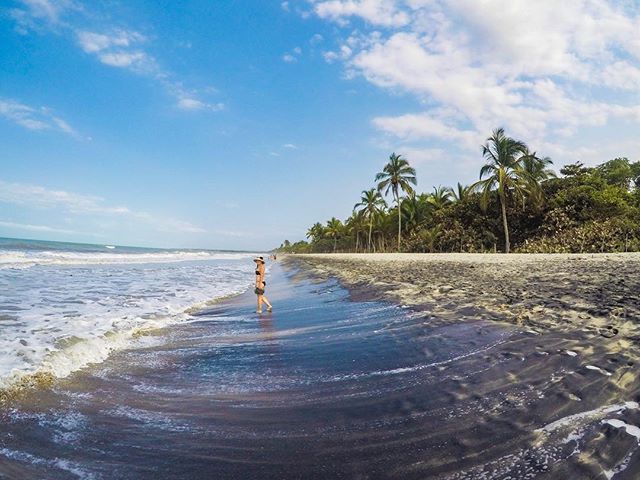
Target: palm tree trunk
{"x": 335, "y": 242}
{"x": 357, "y": 240}
{"x": 505, "y": 225}
{"x": 399, "y": 221}
{"x": 370, "y": 228}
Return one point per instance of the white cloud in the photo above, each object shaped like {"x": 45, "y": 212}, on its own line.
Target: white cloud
{"x": 114, "y": 47}
{"x": 422, "y": 156}
{"x": 122, "y": 59}
{"x": 92, "y": 42}
{"x": 545, "y": 70}
{"x": 41, "y": 228}
{"x": 35, "y": 196}
{"x": 421, "y": 126}
{"x": 293, "y": 56}
{"x": 384, "y": 13}
{"x": 290, "y": 145}
{"x": 33, "y": 118}
{"x": 48, "y": 10}
{"x": 188, "y": 103}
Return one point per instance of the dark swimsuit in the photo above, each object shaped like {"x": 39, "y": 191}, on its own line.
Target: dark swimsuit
{"x": 260, "y": 291}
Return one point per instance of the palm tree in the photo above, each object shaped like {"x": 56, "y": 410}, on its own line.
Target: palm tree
{"x": 397, "y": 176}
{"x": 315, "y": 232}
{"x": 354, "y": 225}
{"x": 440, "y": 198}
{"x": 460, "y": 193}
{"x": 415, "y": 211}
{"x": 334, "y": 230}
{"x": 536, "y": 171}
{"x": 371, "y": 203}
{"x": 503, "y": 172}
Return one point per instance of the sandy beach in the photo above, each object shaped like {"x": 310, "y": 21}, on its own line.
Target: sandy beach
{"x": 582, "y": 307}
{"x": 347, "y": 383}
{"x": 593, "y": 293}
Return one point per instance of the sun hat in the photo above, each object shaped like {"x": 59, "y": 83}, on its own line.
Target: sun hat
{"x": 258, "y": 259}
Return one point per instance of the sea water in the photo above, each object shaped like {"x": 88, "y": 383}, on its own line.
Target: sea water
{"x": 64, "y": 306}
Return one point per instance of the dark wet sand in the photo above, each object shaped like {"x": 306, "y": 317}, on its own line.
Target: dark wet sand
{"x": 329, "y": 387}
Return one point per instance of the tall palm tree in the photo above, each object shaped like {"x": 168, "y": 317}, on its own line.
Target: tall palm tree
{"x": 397, "y": 176}
{"x": 504, "y": 173}
{"x": 371, "y": 203}
{"x": 440, "y": 198}
{"x": 334, "y": 230}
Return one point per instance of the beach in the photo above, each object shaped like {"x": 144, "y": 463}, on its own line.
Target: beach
{"x": 596, "y": 293}
{"x": 349, "y": 379}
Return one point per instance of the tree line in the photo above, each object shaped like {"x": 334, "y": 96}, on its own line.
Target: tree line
{"x": 518, "y": 204}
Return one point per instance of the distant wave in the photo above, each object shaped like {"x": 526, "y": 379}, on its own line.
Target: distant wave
{"x": 25, "y": 259}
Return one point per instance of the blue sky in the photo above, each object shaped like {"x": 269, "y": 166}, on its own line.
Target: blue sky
{"x": 236, "y": 124}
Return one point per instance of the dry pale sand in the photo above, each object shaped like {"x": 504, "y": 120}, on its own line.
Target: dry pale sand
{"x": 598, "y": 294}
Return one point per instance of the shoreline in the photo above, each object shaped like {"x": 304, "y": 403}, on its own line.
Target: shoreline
{"x": 594, "y": 293}
{"x": 368, "y": 390}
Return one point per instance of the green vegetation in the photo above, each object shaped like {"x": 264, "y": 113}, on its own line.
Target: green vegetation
{"x": 519, "y": 204}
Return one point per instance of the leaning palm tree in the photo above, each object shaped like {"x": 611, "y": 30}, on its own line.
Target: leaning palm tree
{"x": 371, "y": 203}
{"x": 504, "y": 173}
{"x": 397, "y": 176}
{"x": 334, "y": 230}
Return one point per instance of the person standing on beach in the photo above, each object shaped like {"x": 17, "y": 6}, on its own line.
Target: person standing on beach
{"x": 261, "y": 284}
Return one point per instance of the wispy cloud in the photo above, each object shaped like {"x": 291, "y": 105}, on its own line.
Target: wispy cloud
{"x": 35, "y": 196}
{"x": 190, "y": 103}
{"x": 290, "y": 146}
{"x": 34, "y": 118}
{"x": 42, "y": 228}
{"x": 292, "y": 56}
{"x": 115, "y": 47}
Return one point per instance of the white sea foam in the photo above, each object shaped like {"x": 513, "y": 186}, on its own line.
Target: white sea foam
{"x": 58, "y": 317}
{"x": 577, "y": 418}
{"x": 630, "y": 429}
{"x": 30, "y": 258}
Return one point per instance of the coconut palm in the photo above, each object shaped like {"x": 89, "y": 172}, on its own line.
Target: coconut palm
{"x": 371, "y": 203}
{"x": 460, "y": 193}
{"x": 440, "y": 198}
{"x": 354, "y": 225}
{"x": 334, "y": 230}
{"x": 415, "y": 211}
{"x": 504, "y": 173}
{"x": 536, "y": 171}
{"x": 315, "y": 232}
{"x": 397, "y": 176}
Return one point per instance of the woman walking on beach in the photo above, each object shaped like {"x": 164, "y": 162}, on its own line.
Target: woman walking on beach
{"x": 261, "y": 284}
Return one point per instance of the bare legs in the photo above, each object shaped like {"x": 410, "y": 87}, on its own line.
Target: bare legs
{"x": 261, "y": 299}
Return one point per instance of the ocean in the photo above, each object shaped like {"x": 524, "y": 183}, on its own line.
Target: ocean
{"x": 66, "y": 305}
